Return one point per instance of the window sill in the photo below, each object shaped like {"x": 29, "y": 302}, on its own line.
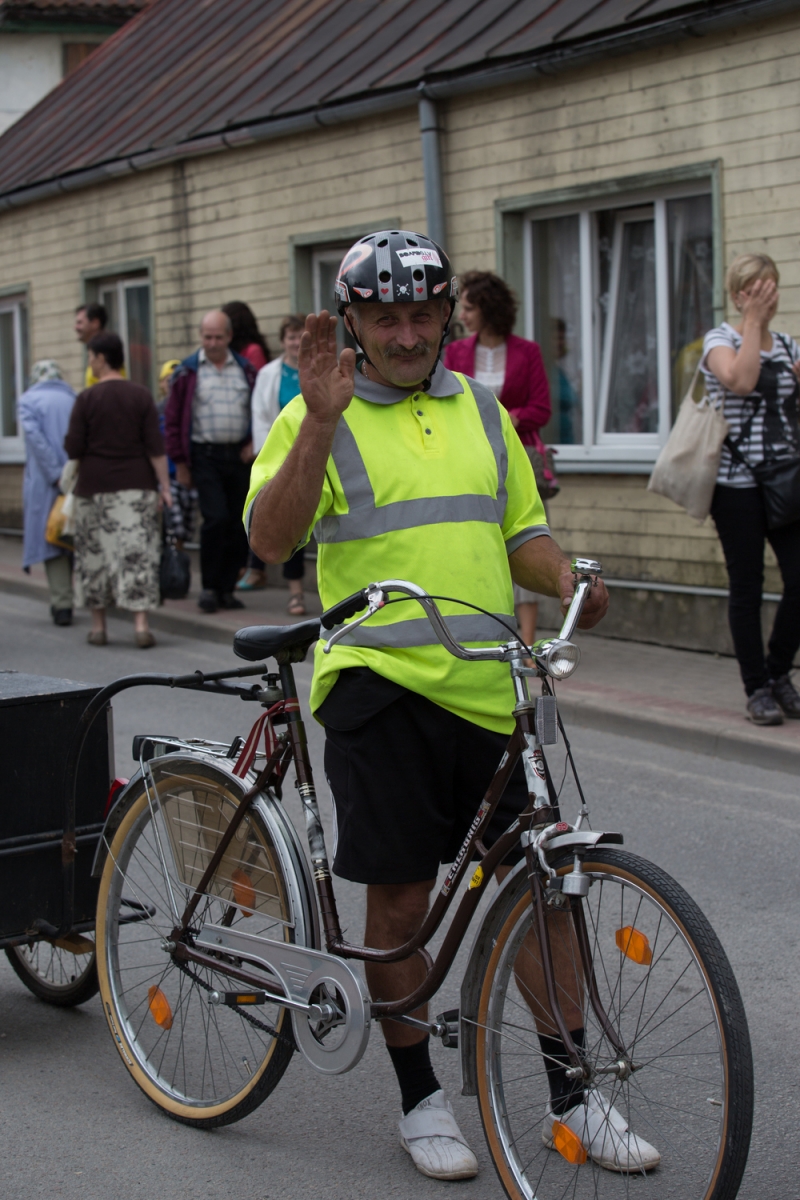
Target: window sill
{"x": 605, "y": 460}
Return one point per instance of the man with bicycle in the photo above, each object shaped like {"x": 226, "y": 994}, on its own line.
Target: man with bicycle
{"x": 403, "y": 469}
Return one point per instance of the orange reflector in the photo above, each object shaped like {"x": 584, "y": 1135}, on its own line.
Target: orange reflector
{"x": 568, "y": 1144}
{"x": 634, "y": 945}
{"x": 159, "y": 1007}
{"x": 243, "y": 891}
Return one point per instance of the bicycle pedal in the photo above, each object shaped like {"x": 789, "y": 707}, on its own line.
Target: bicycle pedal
{"x": 448, "y": 1023}
{"x": 546, "y": 720}
{"x": 235, "y": 999}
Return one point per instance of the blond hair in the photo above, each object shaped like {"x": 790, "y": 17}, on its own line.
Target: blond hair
{"x": 747, "y": 268}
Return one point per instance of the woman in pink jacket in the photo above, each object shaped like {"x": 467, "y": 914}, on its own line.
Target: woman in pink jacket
{"x": 514, "y": 370}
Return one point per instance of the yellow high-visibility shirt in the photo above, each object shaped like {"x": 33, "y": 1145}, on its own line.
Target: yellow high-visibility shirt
{"x": 432, "y": 487}
{"x": 90, "y": 379}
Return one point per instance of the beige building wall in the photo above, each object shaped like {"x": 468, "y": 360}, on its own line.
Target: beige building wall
{"x": 217, "y": 228}
{"x": 731, "y": 97}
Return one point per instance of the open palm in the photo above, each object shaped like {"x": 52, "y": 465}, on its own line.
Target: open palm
{"x": 326, "y": 377}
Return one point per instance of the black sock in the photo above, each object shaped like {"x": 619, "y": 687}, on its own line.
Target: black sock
{"x": 412, "y": 1065}
{"x": 564, "y": 1093}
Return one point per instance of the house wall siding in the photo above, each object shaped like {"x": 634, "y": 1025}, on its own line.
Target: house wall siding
{"x": 217, "y": 228}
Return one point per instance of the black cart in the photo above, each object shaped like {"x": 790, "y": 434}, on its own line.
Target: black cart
{"x": 47, "y": 893}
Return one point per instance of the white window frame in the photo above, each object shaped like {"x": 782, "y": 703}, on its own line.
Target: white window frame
{"x": 120, "y": 286}
{"x": 12, "y": 449}
{"x": 610, "y": 451}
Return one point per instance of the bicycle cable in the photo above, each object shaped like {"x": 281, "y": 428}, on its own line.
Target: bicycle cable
{"x": 466, "y": 604}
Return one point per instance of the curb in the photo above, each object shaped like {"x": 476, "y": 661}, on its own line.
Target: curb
{"x": 735, "y": 744}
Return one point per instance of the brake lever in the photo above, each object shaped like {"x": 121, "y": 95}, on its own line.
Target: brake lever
{"x": 376, "y": 599}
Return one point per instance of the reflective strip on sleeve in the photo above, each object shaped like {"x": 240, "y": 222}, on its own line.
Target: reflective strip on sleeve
{"x": 365, "y": 519}
{"x": 525, "y": 535}
{"x": 470, "y": 627}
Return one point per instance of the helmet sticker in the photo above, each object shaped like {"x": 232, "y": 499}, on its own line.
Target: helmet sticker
{"x": 439, "y": 287}
{"x": 454, "y": 286}
{"x": 418, "y": 257}
{"x": 365, "y": 293}
{"x": 354, "y": 256}
{"x": 403, "y": 289}
{"x": 340, "y": 289}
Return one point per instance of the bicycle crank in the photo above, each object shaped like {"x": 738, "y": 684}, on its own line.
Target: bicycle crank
{"x": 328, "y": 1000}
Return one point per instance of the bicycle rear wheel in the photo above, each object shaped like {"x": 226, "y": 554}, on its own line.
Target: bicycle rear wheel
{"x": 204, "y": 1063}
{"x": 671, "y": 996}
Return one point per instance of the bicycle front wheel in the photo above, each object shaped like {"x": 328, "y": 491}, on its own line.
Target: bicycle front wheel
{"x": 670, "y": 996}
{"x": 204, "y": 1063}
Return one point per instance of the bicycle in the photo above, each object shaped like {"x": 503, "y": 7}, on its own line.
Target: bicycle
{"x": 211, "y": 971}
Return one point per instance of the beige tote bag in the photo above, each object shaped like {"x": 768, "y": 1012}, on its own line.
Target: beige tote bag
{"x": 686, "y": 469}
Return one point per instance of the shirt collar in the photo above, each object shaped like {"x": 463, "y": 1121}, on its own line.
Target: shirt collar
{"x": 443, "y": 383}
{"x": 203, "y": 358}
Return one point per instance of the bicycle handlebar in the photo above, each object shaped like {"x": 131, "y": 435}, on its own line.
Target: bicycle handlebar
{"x": 373, "y": 598}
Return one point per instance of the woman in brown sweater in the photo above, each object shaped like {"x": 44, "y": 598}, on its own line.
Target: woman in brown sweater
{"x": 122, "y": 480}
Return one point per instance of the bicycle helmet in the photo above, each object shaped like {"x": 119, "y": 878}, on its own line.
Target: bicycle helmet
{"x": 394, "y": 266}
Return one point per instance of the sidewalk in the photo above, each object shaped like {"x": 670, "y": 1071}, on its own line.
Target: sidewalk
{"x": 676, "y": 697}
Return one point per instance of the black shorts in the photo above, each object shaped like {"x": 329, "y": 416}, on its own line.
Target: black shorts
{"x": 406, "y": 785}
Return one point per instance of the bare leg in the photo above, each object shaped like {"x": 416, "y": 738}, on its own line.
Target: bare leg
{"x": 140, "y": 624}
{"x": 98, "y": 620}
{"x": 395, "y": 911}
{"x": 567, "y": 972}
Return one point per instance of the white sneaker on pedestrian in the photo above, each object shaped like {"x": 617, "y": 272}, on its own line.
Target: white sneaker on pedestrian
{"x": 604, "y": 1135}
{"x": 431, "y": 1136}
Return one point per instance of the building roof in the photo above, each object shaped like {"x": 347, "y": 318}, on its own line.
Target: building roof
{"x": 68, "y": 12}
{"x": 189, "y": 76}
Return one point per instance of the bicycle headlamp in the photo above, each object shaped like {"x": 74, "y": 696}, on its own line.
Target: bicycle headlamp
{"x": 559, "y": 658}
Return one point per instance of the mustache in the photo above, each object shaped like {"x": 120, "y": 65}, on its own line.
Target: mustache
{"x": 418, "y": 351}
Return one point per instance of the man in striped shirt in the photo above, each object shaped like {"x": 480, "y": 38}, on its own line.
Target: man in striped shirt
{"x": 207, "y": 434}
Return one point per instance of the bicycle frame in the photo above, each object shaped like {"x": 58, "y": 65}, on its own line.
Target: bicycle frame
{"x": 540, "y": 814}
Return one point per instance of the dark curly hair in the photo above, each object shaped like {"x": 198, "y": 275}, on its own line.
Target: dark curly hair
{"x": 494, "y": 298}
{"x": 245, "y": 328}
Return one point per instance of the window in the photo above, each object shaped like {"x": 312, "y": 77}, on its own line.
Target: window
{"x": 619, "y": 299}
{"x": 324, "y": 269}
{"x": 128, "y": 304}
{"x": 13, "y": 371}
{"x": 74, "y": 55}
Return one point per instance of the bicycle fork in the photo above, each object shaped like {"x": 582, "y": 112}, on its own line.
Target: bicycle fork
{"x": 578, "y": 1067}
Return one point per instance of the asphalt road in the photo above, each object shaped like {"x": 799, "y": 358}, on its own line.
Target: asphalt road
{"x": 73, "y": 1124}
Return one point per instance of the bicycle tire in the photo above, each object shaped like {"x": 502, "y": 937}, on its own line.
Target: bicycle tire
{"x": 692, "y": 1093}
{"x": 54, "y": 973}
{"x": 205, "y": 1065}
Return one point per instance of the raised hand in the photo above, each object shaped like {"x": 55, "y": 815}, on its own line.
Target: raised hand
{"x": 326, "y": 377}
{"x": 759, "y": 302}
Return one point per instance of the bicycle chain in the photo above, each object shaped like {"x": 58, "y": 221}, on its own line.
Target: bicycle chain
{"x": 279, "y": 1037}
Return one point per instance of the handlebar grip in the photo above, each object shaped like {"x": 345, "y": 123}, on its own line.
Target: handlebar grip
{"x": 344, "y": 609}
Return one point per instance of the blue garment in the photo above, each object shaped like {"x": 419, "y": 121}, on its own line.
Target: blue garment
{"x": 43, "y": 412}
{"x": 290, "y": 385}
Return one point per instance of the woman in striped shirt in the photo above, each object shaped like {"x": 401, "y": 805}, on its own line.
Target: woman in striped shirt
{"x": 752, "y": 375}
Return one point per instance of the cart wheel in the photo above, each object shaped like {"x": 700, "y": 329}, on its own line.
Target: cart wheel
{"x": 63, "y": 972}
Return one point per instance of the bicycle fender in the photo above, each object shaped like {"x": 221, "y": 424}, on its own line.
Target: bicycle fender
{"x": 125, "y": 798}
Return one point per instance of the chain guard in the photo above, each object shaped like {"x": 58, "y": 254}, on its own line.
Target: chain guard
{"x": 307, "y": 976}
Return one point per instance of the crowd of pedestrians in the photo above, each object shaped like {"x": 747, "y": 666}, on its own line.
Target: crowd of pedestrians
{"x": 144, "y": 467}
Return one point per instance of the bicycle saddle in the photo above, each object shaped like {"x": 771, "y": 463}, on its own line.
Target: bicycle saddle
{"x": 269, "y": 641}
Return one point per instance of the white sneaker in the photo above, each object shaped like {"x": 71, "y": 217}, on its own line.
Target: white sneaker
{"x": 431, "y": 1136}
{"x": 603, "y": 1132}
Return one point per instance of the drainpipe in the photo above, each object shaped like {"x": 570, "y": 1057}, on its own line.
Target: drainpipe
{"x": 429, "y": 130}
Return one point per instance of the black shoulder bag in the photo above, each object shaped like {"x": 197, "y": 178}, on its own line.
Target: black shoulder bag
{"x": 778, "y": 479}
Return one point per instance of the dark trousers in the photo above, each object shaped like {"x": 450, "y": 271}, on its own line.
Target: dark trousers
{"x": 294, "y": 568}
{"x": 742, "y": 527}
{"x": 222, "y": 481}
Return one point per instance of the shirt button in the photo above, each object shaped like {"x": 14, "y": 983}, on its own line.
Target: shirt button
{"x": 427, "y": 430}
{"x": 419, "y": 412}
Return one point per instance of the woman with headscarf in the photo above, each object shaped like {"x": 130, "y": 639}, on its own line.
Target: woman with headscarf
{"x": 44, "y": 412}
